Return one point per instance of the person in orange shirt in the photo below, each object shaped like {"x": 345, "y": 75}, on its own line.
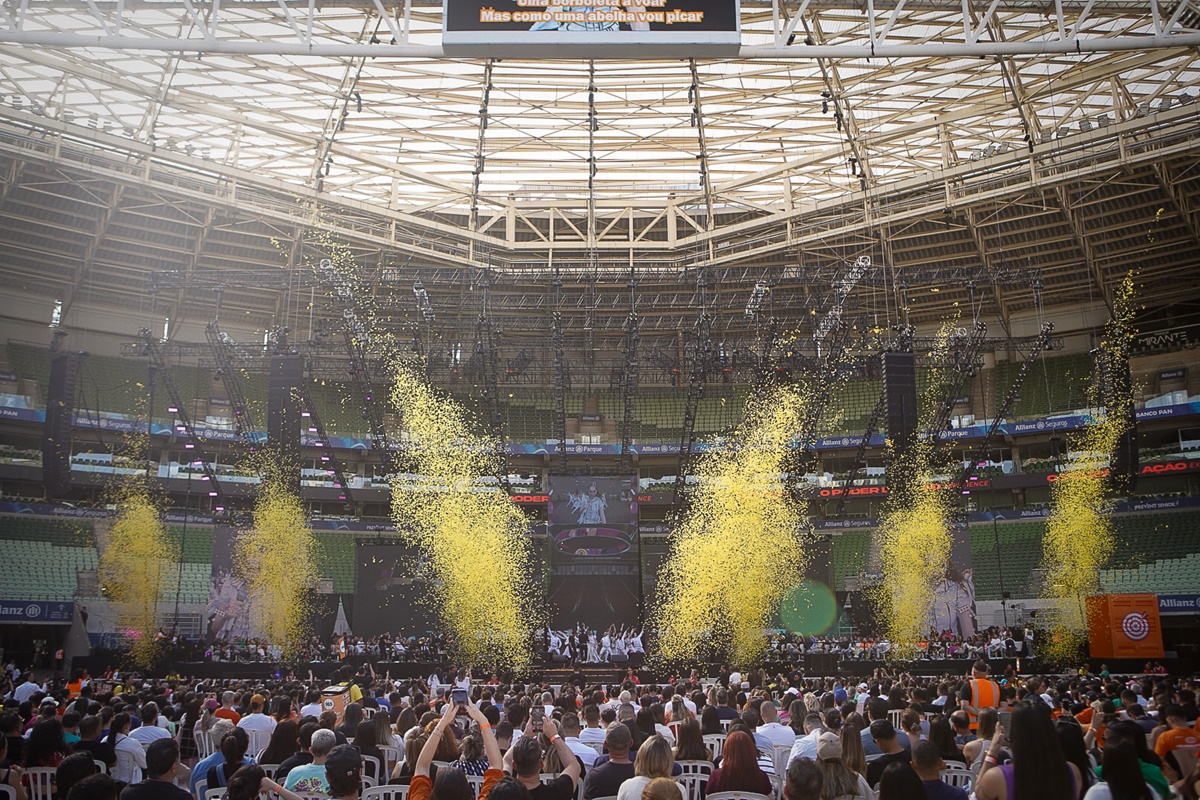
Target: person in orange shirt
{"x": 226, "y": 710}
{"x": 1178, "y": 734}
{"x": 421, "y": 787}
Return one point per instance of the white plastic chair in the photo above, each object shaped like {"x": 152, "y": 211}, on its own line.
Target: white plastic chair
{"x": 693, "y": 783}
{"x": 41, "y": 782}
{"x": 101, "y": 766}
{"x": 695, "y": 767}
{"x": 214, "y": 794}
{"x": 961, "y": 777}
{"x": 780, "y": 755}
{"x": 1186, "y": 757}
{"x": 476, "y": 783}
{"x": 258, "y": 742}
{"x": 737, "y": 796}
{"x": 387, "y": 792}
{"x": 204, "y": 743}
{"x": 371, "y": 768}
{"x": 7, "y": 792}
{"x": 391, "y": 756}
{"x": 270, "y": 769}
{"x": 201, "y": 788}
{"x": 715, "y": 742}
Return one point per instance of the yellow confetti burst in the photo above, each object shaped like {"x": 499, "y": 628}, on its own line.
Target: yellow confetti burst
{"x": 913, "y": 537}
{"x": 134, "y": 567}
{"x": 738, "y": 549}
{"x": 1079, "y": 536}
{"x": 276, "y": 560}
{"x": 475, "y": 537}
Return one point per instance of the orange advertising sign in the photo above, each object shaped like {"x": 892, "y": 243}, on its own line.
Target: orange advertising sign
{"x": 1124, "y": 626}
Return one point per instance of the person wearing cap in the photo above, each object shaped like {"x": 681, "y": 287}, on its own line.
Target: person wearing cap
{"x": 928, "y": 764}
{"x": 884, "y": 735}
{"x": 343, "y": 772}
{"x": 606, "y": 779}
{"x": 256, "y": 720}
{"x": 839, "y": 781}
{"x": 979, "y": 692}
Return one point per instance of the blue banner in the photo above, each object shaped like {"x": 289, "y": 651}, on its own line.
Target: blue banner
{"x": 1179, "y": 603}
{"x": 36, "y": 612}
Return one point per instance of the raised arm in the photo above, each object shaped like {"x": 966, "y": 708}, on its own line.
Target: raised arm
{"x": 435, "y": 738}
{"x": 490, "y": 746}
{"x": 569, "y": 760}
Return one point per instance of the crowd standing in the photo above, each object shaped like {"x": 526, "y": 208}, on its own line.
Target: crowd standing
{"x": 894, "y": 736}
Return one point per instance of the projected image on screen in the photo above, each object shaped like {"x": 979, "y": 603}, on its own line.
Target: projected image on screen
{"x": 592, "y": 517}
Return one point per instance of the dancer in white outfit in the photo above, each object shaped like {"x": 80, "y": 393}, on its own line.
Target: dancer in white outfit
{"x": 593, "y": 653}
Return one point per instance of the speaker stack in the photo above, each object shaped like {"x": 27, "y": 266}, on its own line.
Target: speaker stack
{"x": 283, "y": 419}
{"x": 56, "y": 434}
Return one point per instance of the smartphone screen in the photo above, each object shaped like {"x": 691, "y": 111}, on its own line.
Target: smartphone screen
{"x": 1006, "y": 720}
{"x": 537, "y": 714}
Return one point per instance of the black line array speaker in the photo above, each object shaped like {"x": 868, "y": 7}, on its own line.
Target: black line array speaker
{"x": 1125, "y": 457}
{"x": 900, "y": 386}
{"x": 56, "y": 434}
{"x": 283, "y": 419}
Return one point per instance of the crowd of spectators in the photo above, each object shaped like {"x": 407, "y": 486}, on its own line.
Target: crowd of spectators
{"x": 1079, "y": 737}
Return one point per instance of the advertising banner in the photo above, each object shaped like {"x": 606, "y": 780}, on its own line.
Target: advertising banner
{"x": 608, "y": 29}
{"x": 1124, "y": 626}
{"x": 35, "y": 612}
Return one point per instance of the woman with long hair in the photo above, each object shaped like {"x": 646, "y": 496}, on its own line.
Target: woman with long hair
{"x": 643, "y": 727}
{"x": 1038, "y": 770}
{"x": 189, "y": 751}
{"x": 45, "y": 746}
{"x": 233, "y": 749}
{"x": 973, "y": 750}
{"x": 405, "y": 723}
{"x": 1122, "y": 775}
{"x": 1151, "y": 764}
{"x": 900, "y": 782}
{"x": 689, "y": 744}
{"x": 739, "y": 770}
{"x": 384, "y": 735}
{"x": 661, "y": 789}
{"x": 365, "y": 744}
{"x": 1070, "y": 736}
{"x": 942, "y": 735}
{"x": 839, "y": 782}
{"x": 283, "y": 709}
{"x": 796, "y": 714}
{"x": 710, "y": 721}
{"x": 284, "y": 743}
{"x": 853, "y": 754}
{"x": 654, "y": 760}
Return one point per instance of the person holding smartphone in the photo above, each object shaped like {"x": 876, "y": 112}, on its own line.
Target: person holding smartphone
{"x": 421, "y": 787}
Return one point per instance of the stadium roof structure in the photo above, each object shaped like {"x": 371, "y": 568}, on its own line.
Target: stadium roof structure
{"x": 954, "y": 142}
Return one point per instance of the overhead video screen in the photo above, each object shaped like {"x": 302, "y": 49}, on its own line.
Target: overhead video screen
{"x": 611, "y": 28}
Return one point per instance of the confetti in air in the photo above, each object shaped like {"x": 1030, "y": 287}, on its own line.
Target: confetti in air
{"x": 276, "y": 559}
{"x": 135, "y": 565}
{"x": 1079, "y": 535}
{"x": 475, "y": 538}
{"x": 913, "y": 536}
{"x": 738, "y": 547}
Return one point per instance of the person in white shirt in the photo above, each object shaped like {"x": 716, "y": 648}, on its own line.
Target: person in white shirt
{"x": 778, "y": 735}
{"x": 150, "y": 730}
{"x": 131, "y": 756}
{"x": 593, "y": 733}
{"x": 570, "y": 733}
{"x": 312, "y": 705}
{"x": 806, "y": 746}
{"x": 27, "y": 689}
{"x": 735, "y": 680}
{"x": 256, "y": 720}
